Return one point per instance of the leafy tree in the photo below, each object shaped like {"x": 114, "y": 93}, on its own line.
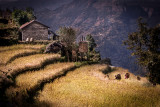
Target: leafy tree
{"x": 91, "y": 42}
{"x": 145, "y": 44}
{"x": 68, "y": 38}
{"x": 92, "y": 54}
{"x": 22, "y": 16}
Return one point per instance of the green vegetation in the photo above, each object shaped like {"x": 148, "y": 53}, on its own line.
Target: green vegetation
{"x": 68, "y": 38}
{"x": 92, "y": 54}
{"x": 22, "y": 16}
{"x": 145, "y": 44}
{"x": 10, "y": 22}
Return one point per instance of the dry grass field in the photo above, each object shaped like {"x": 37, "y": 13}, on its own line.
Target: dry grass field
{"x": 29, "y": 62}
{"x": 21, "y": 46}
{"x": 10, "y": 55}
{"x": 47, "y": 82}
{"x": 30, "y": 80}
{"x": 87, "y": 86}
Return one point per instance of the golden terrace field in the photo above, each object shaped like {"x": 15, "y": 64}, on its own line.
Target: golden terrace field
{"x": 43, "y": 80}
{"x": 33, "y": 79}
{"x": 8, "y": 56}
{"x": 21, "y": 46}
{"x": 87, "y": 86}
{"x": 10, "y": 53}
{"x": 29, "y": 62}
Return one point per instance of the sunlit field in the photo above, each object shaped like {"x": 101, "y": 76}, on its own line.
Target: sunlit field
{"x": 28, "y": 62}
{"x": 21, "y": 46}
{"x": 87, "y": 86}
{"x": 33, "y": 79}
{"x": 8, "y": 56}
{"x": 43, "y": 80}
{"x": 30, "y": 78}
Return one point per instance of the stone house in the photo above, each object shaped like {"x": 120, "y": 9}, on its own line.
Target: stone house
{"x": 33, "y": 30}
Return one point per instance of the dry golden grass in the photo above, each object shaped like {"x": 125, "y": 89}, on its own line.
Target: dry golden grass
{"x": 21, "y": 46}
{"x": 28, "y": 62}
{"x": 9, "y": 55}
{"x": 122, "y": 72}
{"x": 33, "y": 79}
{"x": 29, "y": 79}
{"x": 87, "y": 86}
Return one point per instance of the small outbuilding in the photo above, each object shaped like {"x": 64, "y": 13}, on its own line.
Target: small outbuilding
{"x": 52, "y": 35}
{"x": 34, "y": 30}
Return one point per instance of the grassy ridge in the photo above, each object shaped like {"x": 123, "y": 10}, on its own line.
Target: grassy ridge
{"x": 31, "y": 80}
{"x": 87, "y": 86}
{"x": 10, "y": 55}
{"x": 21, "y": 46}
{"x": 29, "y": 62}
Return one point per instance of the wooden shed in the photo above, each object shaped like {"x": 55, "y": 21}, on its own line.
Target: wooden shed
{"x": 34, "y": 30}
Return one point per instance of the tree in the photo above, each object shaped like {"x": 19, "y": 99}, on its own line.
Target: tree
{"x": 92, "y": 54}
{"x": 145, "y": 45}
{"x": 22, "y": 16}
{"x": 68, "y": 38}
{"x": 91, "y": 42}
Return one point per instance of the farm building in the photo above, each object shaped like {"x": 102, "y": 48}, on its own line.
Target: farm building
{"x": 34, "y": 30}
{"x": 52, "y": 35}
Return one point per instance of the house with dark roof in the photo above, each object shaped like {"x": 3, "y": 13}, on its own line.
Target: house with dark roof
{"x": 33, "y": 30}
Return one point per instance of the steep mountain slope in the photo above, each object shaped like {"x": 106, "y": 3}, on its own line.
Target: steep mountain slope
{"x": 108, "y": 21}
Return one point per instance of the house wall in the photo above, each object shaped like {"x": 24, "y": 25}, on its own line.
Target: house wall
{"x": 35, "y": 31}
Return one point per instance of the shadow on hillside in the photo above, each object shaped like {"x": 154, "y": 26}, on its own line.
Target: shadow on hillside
{"x": 109, "y": 70}
{"x": 34, "y": 91}
{"x": 44, "y": 104}
{"x": 26, "y": 97}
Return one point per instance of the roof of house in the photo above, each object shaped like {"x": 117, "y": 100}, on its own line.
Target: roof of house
{"x": 28, "y": 23}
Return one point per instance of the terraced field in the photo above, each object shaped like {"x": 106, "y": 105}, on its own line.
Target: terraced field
{"x": 10, "y": 55}
{"x": 28, "y": 69}
{"x": 29, "y": 62}
{"x": 43, "y": 80}
{"x": 31, "y": 81}
{"x": 88, "y": 86}
{"x": 21, "y": 46}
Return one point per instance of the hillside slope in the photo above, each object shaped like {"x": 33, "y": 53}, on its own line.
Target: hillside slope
{"x": 88, "y": 86}
{"x": 109, "y": 23}
{"x": 43, "y": 80}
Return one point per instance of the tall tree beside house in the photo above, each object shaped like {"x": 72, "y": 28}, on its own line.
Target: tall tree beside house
{"x": 145, "y": 44}
{"x": 92, "y": 53}
{"x": 68, "y": 38}
{"x": 91, "y": 42}
{"x": 22, "y": 16}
